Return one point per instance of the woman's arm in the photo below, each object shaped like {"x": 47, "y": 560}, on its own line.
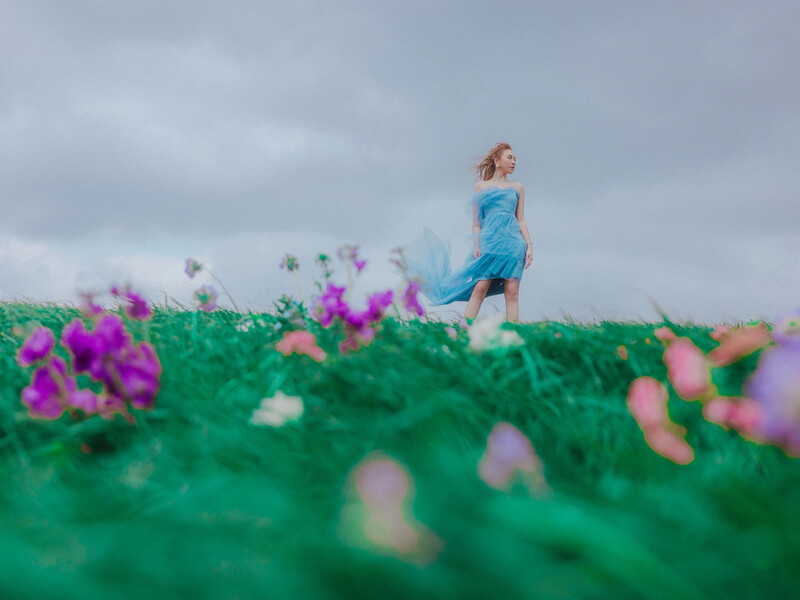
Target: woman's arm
{"x": 523, "y": 226}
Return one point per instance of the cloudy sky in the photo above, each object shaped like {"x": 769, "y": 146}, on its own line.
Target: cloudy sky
{"x": 658, "y": 143}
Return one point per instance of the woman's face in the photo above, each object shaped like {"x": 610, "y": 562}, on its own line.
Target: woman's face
{"x": 507, "y": 161}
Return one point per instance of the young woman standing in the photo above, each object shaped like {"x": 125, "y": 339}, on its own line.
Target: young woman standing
{"x": 502, "y": 247}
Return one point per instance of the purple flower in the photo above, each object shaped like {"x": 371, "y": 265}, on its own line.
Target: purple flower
{"x": 377, "y": 303}
{"x": 88, "y": 306}
{"x": 37, "y": 347}
{"x": 410, "y": 300}
{"x": 192, "y": 267}
{"x": 44, "y": 395}
{"x": 787, "y": 329}
{"x": 331, "y": 305}
{"x": 129, "y": 372}
{"x": 140, "y": 375}
{"x": 289, "y": 262}
{"x": 359, "y": 264}
{"x": 137, "y": 307}
{"x": 775, "y": 386}
{"x": 80, "y": 344}
{"x": 206, "y": 297}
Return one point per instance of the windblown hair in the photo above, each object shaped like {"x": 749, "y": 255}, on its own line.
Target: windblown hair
{"x": 485, "y": 168}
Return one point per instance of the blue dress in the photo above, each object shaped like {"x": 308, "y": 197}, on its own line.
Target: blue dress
{"x": 500, "y": 241}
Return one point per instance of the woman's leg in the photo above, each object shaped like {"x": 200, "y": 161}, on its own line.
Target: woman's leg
{"x": 511, "y": 288}
{"x": 475, "y": 300}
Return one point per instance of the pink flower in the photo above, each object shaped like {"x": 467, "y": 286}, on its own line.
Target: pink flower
{"x": 359, "y": 264}
{"x": 622, "y": 351}
{"x": 451, "y": 332}
{"x": 647, "y": 401}
{"x": 377, "y": 515}
{"x": 719, "y": 331}
{"x": 300, "y": 342}
{"x": 687, "y": 368}
{"x": 37, "y": 347}
{"x": 664, "y": 334}
{"x": 742, "y": 414}
{"x": 669, "y": 445}
{"x": 738, "y": 343}
{"x": 509, "y": 456}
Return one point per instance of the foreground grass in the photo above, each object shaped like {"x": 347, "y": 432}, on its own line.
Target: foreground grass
{"x": 195, "y": 502}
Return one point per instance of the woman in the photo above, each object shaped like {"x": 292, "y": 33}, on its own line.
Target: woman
{"x": 502, "y": 245}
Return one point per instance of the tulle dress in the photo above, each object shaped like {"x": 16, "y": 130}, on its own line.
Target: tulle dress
{"x": 500, "y": 241}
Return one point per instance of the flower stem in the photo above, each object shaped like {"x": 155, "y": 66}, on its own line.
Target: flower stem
{"x": 224, "y": 289}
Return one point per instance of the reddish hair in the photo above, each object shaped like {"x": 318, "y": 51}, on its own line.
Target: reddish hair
{"x": 485, "y": 168}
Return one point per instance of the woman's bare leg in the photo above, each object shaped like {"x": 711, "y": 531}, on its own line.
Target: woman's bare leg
{"x": 476, "y": 299}
{"x": 511, "y": 288}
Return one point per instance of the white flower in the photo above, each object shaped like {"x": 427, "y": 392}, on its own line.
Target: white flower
{"x": 278, "y": 410}
{"x": 244, "y": 325}
{"x": 488, "y": 335}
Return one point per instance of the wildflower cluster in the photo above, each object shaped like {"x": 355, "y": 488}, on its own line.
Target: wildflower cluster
{"x": 768, "y": 410}
{"x": 360, "y": 325}
{"x": 128, "y": 373}
{"x": 332, "y": 306}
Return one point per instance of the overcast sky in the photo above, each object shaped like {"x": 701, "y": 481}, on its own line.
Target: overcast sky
{"x": 658, "y": 143}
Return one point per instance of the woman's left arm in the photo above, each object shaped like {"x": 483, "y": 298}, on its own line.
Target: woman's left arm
{"x": 523, "y": 226}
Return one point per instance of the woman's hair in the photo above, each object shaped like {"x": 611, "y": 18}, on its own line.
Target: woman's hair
{"x": 485, "y": 168}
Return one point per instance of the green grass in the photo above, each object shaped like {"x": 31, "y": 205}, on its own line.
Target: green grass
{"x": 194, "y": 501}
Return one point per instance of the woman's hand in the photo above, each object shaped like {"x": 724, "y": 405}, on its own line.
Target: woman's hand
{"x": 476, "y": 253}
{"x": 528, "y": 256}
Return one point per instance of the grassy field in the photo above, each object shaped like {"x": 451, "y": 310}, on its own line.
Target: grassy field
{"x": 196, "y": 501}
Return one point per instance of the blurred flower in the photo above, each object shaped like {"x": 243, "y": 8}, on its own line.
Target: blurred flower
{"x": 647, "y": 401}
{"x": 687, "y": 368}
{"x": 664, "y": 334}
{"x": 719, "y": 331}
{"x": 377, "y": 516}
{"x": 192, "y": 267}
{"x": 359, "y": 264}
{"x": 331, "y": 305}
{"x": 129, "y": 372}
{"x": 244, "y": 325}
{"x": 488, "y": 334}
{"x": 206, "y": 297}
{"x": 377, "y": 304}
{"x": 289, "y": 262}
{"x": 451, "y": 332}
{"x": 323, "y": 259}
{"x": 45, "y": 396}
{"x": 775, "y": 386}
{"x": 88, "y": 306}
{"x": 669, "y": 445}
{"x": 742, "y": 414}
{"x": 347, "y": 253}
{"x": 509, "y": 457}
{"x": 300, "y": 342}
{"x": 410, "y": 301}
{"x": 278, "y": 410}
{"x": 786, "y": 330}
{"x": 557, "y": 334}
{"x": 622, "y": 352}
{"x": 137, "y": 307}
{"x": 37, "y": 347}
{"x": 738, "y": 343}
